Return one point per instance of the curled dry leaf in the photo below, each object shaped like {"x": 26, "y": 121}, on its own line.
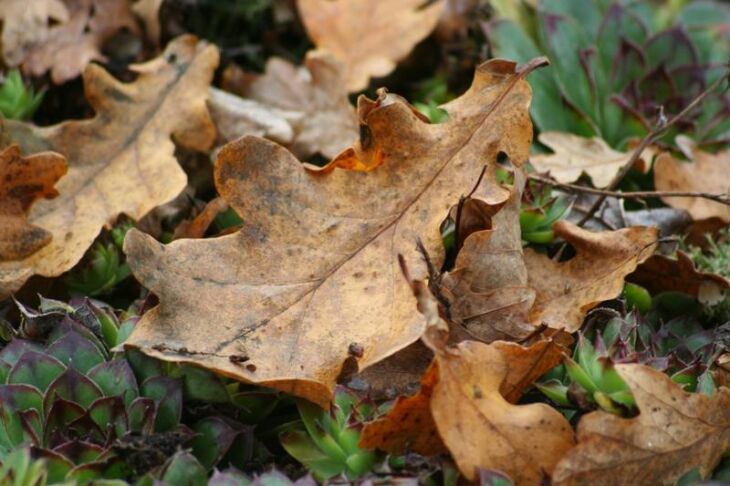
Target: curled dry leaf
{"x": 566, "y": 291}
{"x": 368, "y": 37}
{"x": 574, "y": 155}
{"x": 120, "y": 161}
{"x": 706, "y": 173}
{"x": 277, "y": 291}
{"x": 26, "y": 24}
{"x": 411, "y": 423}
{"x": 674, "y": 433}
{"x": 660, "y": 274}
{"x": 25, "y": 179}
{"x": 235, "y": 117}
{"x": 326, "y": 122}
{"x": 482, "y": 429}
{"x": 71, "y": 45}
{"x": 487, "y": 290}
{"x": 196, "y": 227}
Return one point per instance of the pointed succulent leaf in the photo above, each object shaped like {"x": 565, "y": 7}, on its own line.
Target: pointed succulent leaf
{"x": 79, "y": 452}
{"x": 110, "y": 414}
{"x": 115, "y": 378}
{"x": 4, "y": 371}
{"x": 204, "y": 385}
{"x": 167, "y": 393}
{"x": 60, "y": 414}
{"x": 579, "y": 375}
{"x": 57, "y": 465}
{"x": 216, "y": 438}
{"x": 301, "y": 447}
{"x": 76, "y": 351}
{"x": 313, "y": 417}
{"x": 183, "y": 468}
{"x": 555, "y": 391}
{"x": 12, "y": 352}
{"x": 73, "y": 386}
{"x": 141, "y": 415}
{"x": 15, "y": 399}
{"x": 144, "y": 367}
{"x": 37, "y": 369}
{"x": 255, "y": 405}
{"x": 102, "y": 473}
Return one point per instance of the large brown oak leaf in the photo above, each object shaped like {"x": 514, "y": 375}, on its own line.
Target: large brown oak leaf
{"x": 674, "y": 433}
{"x": 314, "y": 268}
{"x": 120, "y": 161}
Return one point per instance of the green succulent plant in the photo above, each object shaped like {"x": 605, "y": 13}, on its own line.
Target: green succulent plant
{"x": 714, "y": 259}
{"x": 73, "y": 402}
{"x": 103, "y": 267}
{"x": 18, "y": 101}
{"x": 19, "y": 469}
{"x": 429, "y": 95}
{"x": 92, "y": 413}
{"x": 540, "y": 210}
{"x": 327, "y": 442}
{"x": 681, "y": 347}
{"x": 614, "y": 64}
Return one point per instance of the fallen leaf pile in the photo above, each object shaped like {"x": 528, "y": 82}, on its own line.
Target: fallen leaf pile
{"x": 343, "y": 273}
{"x": 65, "y": 47}
{"x": 298, "y": 310}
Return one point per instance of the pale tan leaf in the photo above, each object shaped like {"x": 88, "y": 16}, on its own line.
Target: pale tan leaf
{"x": 706, "y": 173}
{"x": 71, "y": 45}
{"x": 369, "y": 37}
{"x": 235, "y": 117}
{"x": 327, "y": 122}
{"x": 120, "y": 161}
{"x": 574, "y": 155}
{"x": 26, "y": 24}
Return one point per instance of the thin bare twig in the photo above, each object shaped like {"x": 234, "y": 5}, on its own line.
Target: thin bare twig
{"x": 650, "y": 138}
{"x": 719, "y": 198}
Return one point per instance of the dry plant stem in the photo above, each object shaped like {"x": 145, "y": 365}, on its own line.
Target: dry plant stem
{"x": 650, "y": 138}
{"x": 720, "y": 198}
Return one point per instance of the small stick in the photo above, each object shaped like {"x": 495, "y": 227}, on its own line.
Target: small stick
{"x": 650, "y": 138}
{"x": 719, "y": 198}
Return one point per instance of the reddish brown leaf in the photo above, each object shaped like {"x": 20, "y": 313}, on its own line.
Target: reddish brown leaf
{"x": 22, "y": 181}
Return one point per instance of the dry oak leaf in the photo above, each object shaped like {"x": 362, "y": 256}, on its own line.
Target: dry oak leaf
{"x": 71, "y": 45}
{"x": 574, "y": 155}
{"x": 197, "y": 226}
{"x": 660, "y": 274}
{"x": 25, "y": 24}
{"x": 674, "y": 433}
{"x": 327, "y": 122}
{"x": 410, "y": 425}
{"x": 314, "y": 267}
{"x": 22, "y": 181}
{"x": 235, "y": 117}
{"x": 368, "y": 36}
{"x": 487, "y": 291}
{"x": 706, "y": 173}
{"x": 122, "y": 160}
{"x": 149, "y": 12}
{"x": 567, "y": 290}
